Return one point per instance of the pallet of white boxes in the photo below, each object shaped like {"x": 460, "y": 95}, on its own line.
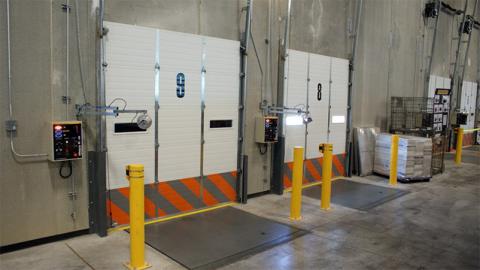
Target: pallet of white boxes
{"x": 414, "y": 157}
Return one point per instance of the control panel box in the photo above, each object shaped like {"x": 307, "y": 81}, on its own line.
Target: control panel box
{"x": 266, "y": 129}
{"x": 66, "y": 140}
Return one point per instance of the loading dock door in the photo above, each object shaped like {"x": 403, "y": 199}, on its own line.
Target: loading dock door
{"x": 338, "y": 105}
{"x": 195, "y": 80}
{"x": 130, "y": 52}
{"x": 468, "y": 102}
{"x": 222, "y": 65}
{"x": 319, "y": 84}
{"x": 318, "y": 102}
{"x": 179, "y": 113}
{"x": 296, "y": 96}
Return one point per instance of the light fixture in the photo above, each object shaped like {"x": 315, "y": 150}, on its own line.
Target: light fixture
{"x": 294, "y": 120}
{"x": 338, "y": 119}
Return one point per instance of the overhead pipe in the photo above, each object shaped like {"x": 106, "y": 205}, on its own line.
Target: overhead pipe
{"x": 241, "y": 166}
{"x": 455, "y": 66}
{"x": 432, "y": 50}
{"x": 269, "y": 52}
{"x": 67, "y": 58}
{"x": 351, "y": 78}
{"x": 79, "y": 50}
{"x": 10, "y": 106}
{"x": 279, "y": 149}
{"x": 465, "y": 59}
{"x": 447, "y": 9}
{"x": 453, "y": 78}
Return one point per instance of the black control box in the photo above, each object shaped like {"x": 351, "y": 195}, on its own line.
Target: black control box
{"x": 67, "y": 140}
{"x": 462, "y": 118}
{"x": 266, "y": 130}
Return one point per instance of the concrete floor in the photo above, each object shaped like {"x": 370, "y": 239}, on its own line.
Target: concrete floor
{"x": 436, "y": 226}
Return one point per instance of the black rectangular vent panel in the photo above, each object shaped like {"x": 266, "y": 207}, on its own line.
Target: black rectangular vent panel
{"x": 220, "y": 123}
{"x": 128, "y": 128}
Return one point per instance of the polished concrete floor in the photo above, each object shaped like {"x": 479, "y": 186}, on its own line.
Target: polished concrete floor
{"x": 435, "y": 226}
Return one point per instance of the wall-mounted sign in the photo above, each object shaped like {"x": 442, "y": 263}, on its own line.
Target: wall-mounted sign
{"x": 319, "y": 91}
{"x": 180, "y": 85}
{"x": 441, "y": 107}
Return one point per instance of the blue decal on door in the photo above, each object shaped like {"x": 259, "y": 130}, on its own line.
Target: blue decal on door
{"x": 180, "y": 85}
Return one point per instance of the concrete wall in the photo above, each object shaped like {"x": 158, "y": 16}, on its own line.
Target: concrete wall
{"x": 34, "y": 200}
{"x": 392, "y": 52}
{"x": 393, "y": 57}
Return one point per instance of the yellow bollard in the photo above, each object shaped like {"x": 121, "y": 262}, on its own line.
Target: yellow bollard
{"x": 326, "y": 149}
{"x": 393, "y": 160}
{"x": 135, "y": 176}
{"x": 296, "y": 200}
{"x": 458, "y": 148}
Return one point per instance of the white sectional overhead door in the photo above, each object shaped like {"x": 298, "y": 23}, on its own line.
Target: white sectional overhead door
{"x": 180, "y": 86}
{"x": 338, "y": 105}
{"x": 473, "y": 104}
{"x": 468, "y": 101}
{"x": 179, "y": 113}
{"x": 318, "y": 102}
{"x": 295, "y": 96}
{"x": 321, "y": 82}
{"x": 129, "y": 75}
{"x": 221, "y": 102}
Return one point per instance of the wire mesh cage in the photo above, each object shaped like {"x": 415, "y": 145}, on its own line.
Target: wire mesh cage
{"x": 412, "y": 116}
{"x": 415, "y": 116}
{"x": 439, "y": 145}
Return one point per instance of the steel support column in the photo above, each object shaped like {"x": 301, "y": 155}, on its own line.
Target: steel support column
{"x": 241, "y": 177}
{"x": 351, "y": 78}
{"x": 279, "y": 149}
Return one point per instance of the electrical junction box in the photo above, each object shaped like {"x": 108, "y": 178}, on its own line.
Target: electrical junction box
{"x": 266, "y": 129}
{"x": 462, "y": 118}
{"x": 66, "y": 140}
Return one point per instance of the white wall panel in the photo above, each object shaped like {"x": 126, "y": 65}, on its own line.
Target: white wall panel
{"x": 446, "y": 83}
{"x": 437, "y": 82}
{"x": 338, "y": 103}
{"x": 129, "y": 75}
{"x": 319, "y": 73}
{"x": 295, "y": 95}
{"x": 221, "y": 101}
{"x": 464, "y": 96}
{"x": 432, "y": 85}
{"x": 473, "y": 102}
{"x": 179, "y": 118}
{"x": 467, "y": 103}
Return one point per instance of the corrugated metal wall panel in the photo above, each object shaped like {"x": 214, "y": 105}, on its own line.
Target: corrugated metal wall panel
{"x": 467, "y": 102}
{"x": 129, "y": 75}
{"x": 338, "y": 104}
{"x": 296, "y": 95}
{"x": 432, "y": 85}
{"x": 319, "y": 74}
{"x": 221, "y": 101}
{"x": 473, "y": 104}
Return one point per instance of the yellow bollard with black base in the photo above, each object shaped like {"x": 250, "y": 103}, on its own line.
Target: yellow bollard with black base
{"x": 393, "y": 160}
{"x": 458, "y": 148}
{"x": 326, "y": 149}
{"x": 296, "y": 200}
{"x": 135, "y": 176}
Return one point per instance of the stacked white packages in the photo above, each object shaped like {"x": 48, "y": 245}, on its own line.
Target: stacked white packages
{"x": 414, "y": 156}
